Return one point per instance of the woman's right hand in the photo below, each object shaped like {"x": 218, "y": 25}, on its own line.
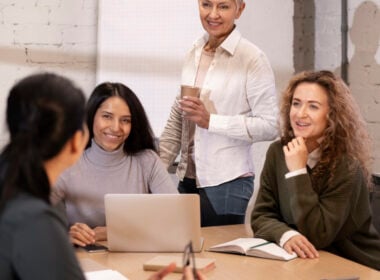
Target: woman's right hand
{"x": 81, "y": 234}
{"x": 296, "y": 154}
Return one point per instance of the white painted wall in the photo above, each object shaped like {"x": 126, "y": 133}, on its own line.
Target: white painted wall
{"x": 61, "y": 36}
{"x": 147, "y": 55}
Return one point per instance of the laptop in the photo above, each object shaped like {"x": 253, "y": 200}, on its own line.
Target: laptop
{"x": 152, "y": 222}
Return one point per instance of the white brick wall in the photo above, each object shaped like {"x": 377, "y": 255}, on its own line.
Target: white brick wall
{"x": 60, "y": 36}
{"x": 364, "y": 69}
{"x": 29, "y": 14}
{"x": 327, "y": 34}
{"x": 46, "y": 35}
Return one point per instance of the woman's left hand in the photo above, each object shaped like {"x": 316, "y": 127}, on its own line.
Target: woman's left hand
{"x": 195, "y": 111}
{"x": 302, "y": 246}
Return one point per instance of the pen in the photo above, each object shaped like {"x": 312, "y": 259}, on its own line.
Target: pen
{"x": 188, "y": 258}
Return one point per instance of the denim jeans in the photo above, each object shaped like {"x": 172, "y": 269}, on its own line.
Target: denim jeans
{"x": 226, "y": 203}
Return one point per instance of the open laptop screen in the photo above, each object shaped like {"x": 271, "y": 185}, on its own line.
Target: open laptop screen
{"x": 152, "y": 222}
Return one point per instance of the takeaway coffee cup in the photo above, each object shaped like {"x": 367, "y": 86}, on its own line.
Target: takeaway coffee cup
{"x": 190, "y": 91}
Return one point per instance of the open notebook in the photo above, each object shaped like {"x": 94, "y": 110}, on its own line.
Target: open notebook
{"x": 254, "y": 247}
{"x": 152, "y": 222}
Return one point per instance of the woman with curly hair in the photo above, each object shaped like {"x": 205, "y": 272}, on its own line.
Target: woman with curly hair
{"x": 315, "y": 180}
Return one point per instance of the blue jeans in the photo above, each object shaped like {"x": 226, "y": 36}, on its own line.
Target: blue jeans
{"x": 226, "y": 203}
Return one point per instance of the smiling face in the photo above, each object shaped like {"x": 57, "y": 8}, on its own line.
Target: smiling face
{"x": 218, "y": 16}
{"x": 308, "y": 112}
{"x": 112, "y": 123}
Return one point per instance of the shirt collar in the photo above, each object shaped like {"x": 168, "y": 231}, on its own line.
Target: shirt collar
{"x": 313, "y": 158}
{"x": 229, "y": 44}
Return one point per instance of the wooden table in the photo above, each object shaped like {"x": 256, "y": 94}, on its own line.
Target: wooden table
{"x": 229, "y": 266}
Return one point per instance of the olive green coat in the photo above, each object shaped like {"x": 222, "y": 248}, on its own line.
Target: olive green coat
{"x": 333, "y": 216}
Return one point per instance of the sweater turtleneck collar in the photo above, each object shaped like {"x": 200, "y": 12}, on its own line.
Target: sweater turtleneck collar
{"x": 97, "y": 156}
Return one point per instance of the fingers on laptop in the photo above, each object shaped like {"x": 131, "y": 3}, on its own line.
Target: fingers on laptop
{"x": 81, "y": 234}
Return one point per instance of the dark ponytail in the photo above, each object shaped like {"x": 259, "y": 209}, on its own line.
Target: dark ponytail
{"x": 43, "y": 112}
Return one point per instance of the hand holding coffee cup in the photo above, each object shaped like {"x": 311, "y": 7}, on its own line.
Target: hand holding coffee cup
{"x": 190, "y": 91}
{"x": 192, "y": 107}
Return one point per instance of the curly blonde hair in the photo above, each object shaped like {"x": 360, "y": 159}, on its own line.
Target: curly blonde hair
{"x": 346, "y": 133}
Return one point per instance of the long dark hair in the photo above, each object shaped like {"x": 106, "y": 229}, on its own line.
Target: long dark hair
{"x": 141, "y": 136}
{"x": 43, "y": 113}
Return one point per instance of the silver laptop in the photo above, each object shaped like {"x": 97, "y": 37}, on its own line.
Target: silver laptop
{"x": 152, "y": 222}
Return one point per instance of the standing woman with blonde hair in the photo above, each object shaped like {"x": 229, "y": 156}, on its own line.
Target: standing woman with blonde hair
{"x": 237, "y": 107}
{"x": 315, "y": 180}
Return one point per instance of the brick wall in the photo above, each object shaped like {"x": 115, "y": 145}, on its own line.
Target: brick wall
{"x": 364, "y": 56}
{"x": 327, "y": 34}
{"x": 47, "y": 35}
{"x": 304, "y": 35}
{"x": 60, "y": 36}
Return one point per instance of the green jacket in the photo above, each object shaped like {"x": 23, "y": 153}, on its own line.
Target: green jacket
{"x": 333, "y": 216}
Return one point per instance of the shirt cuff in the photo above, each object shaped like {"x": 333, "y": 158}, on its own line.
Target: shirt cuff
{"x": 286, "y": 236}
{"x": 296, "y": 173}
{"x": 217, "y": 123}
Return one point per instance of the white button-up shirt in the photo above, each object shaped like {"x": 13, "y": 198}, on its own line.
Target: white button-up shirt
{"x": 241, "y": 89}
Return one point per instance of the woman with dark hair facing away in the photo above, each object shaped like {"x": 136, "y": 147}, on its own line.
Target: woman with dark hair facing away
{"x": 45, "y": 117}
{"x": 120, "y": 158}
{"x": 315, "y": 180}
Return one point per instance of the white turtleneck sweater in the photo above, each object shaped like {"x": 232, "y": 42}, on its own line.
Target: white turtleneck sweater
{"x": 98, "y": 172}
